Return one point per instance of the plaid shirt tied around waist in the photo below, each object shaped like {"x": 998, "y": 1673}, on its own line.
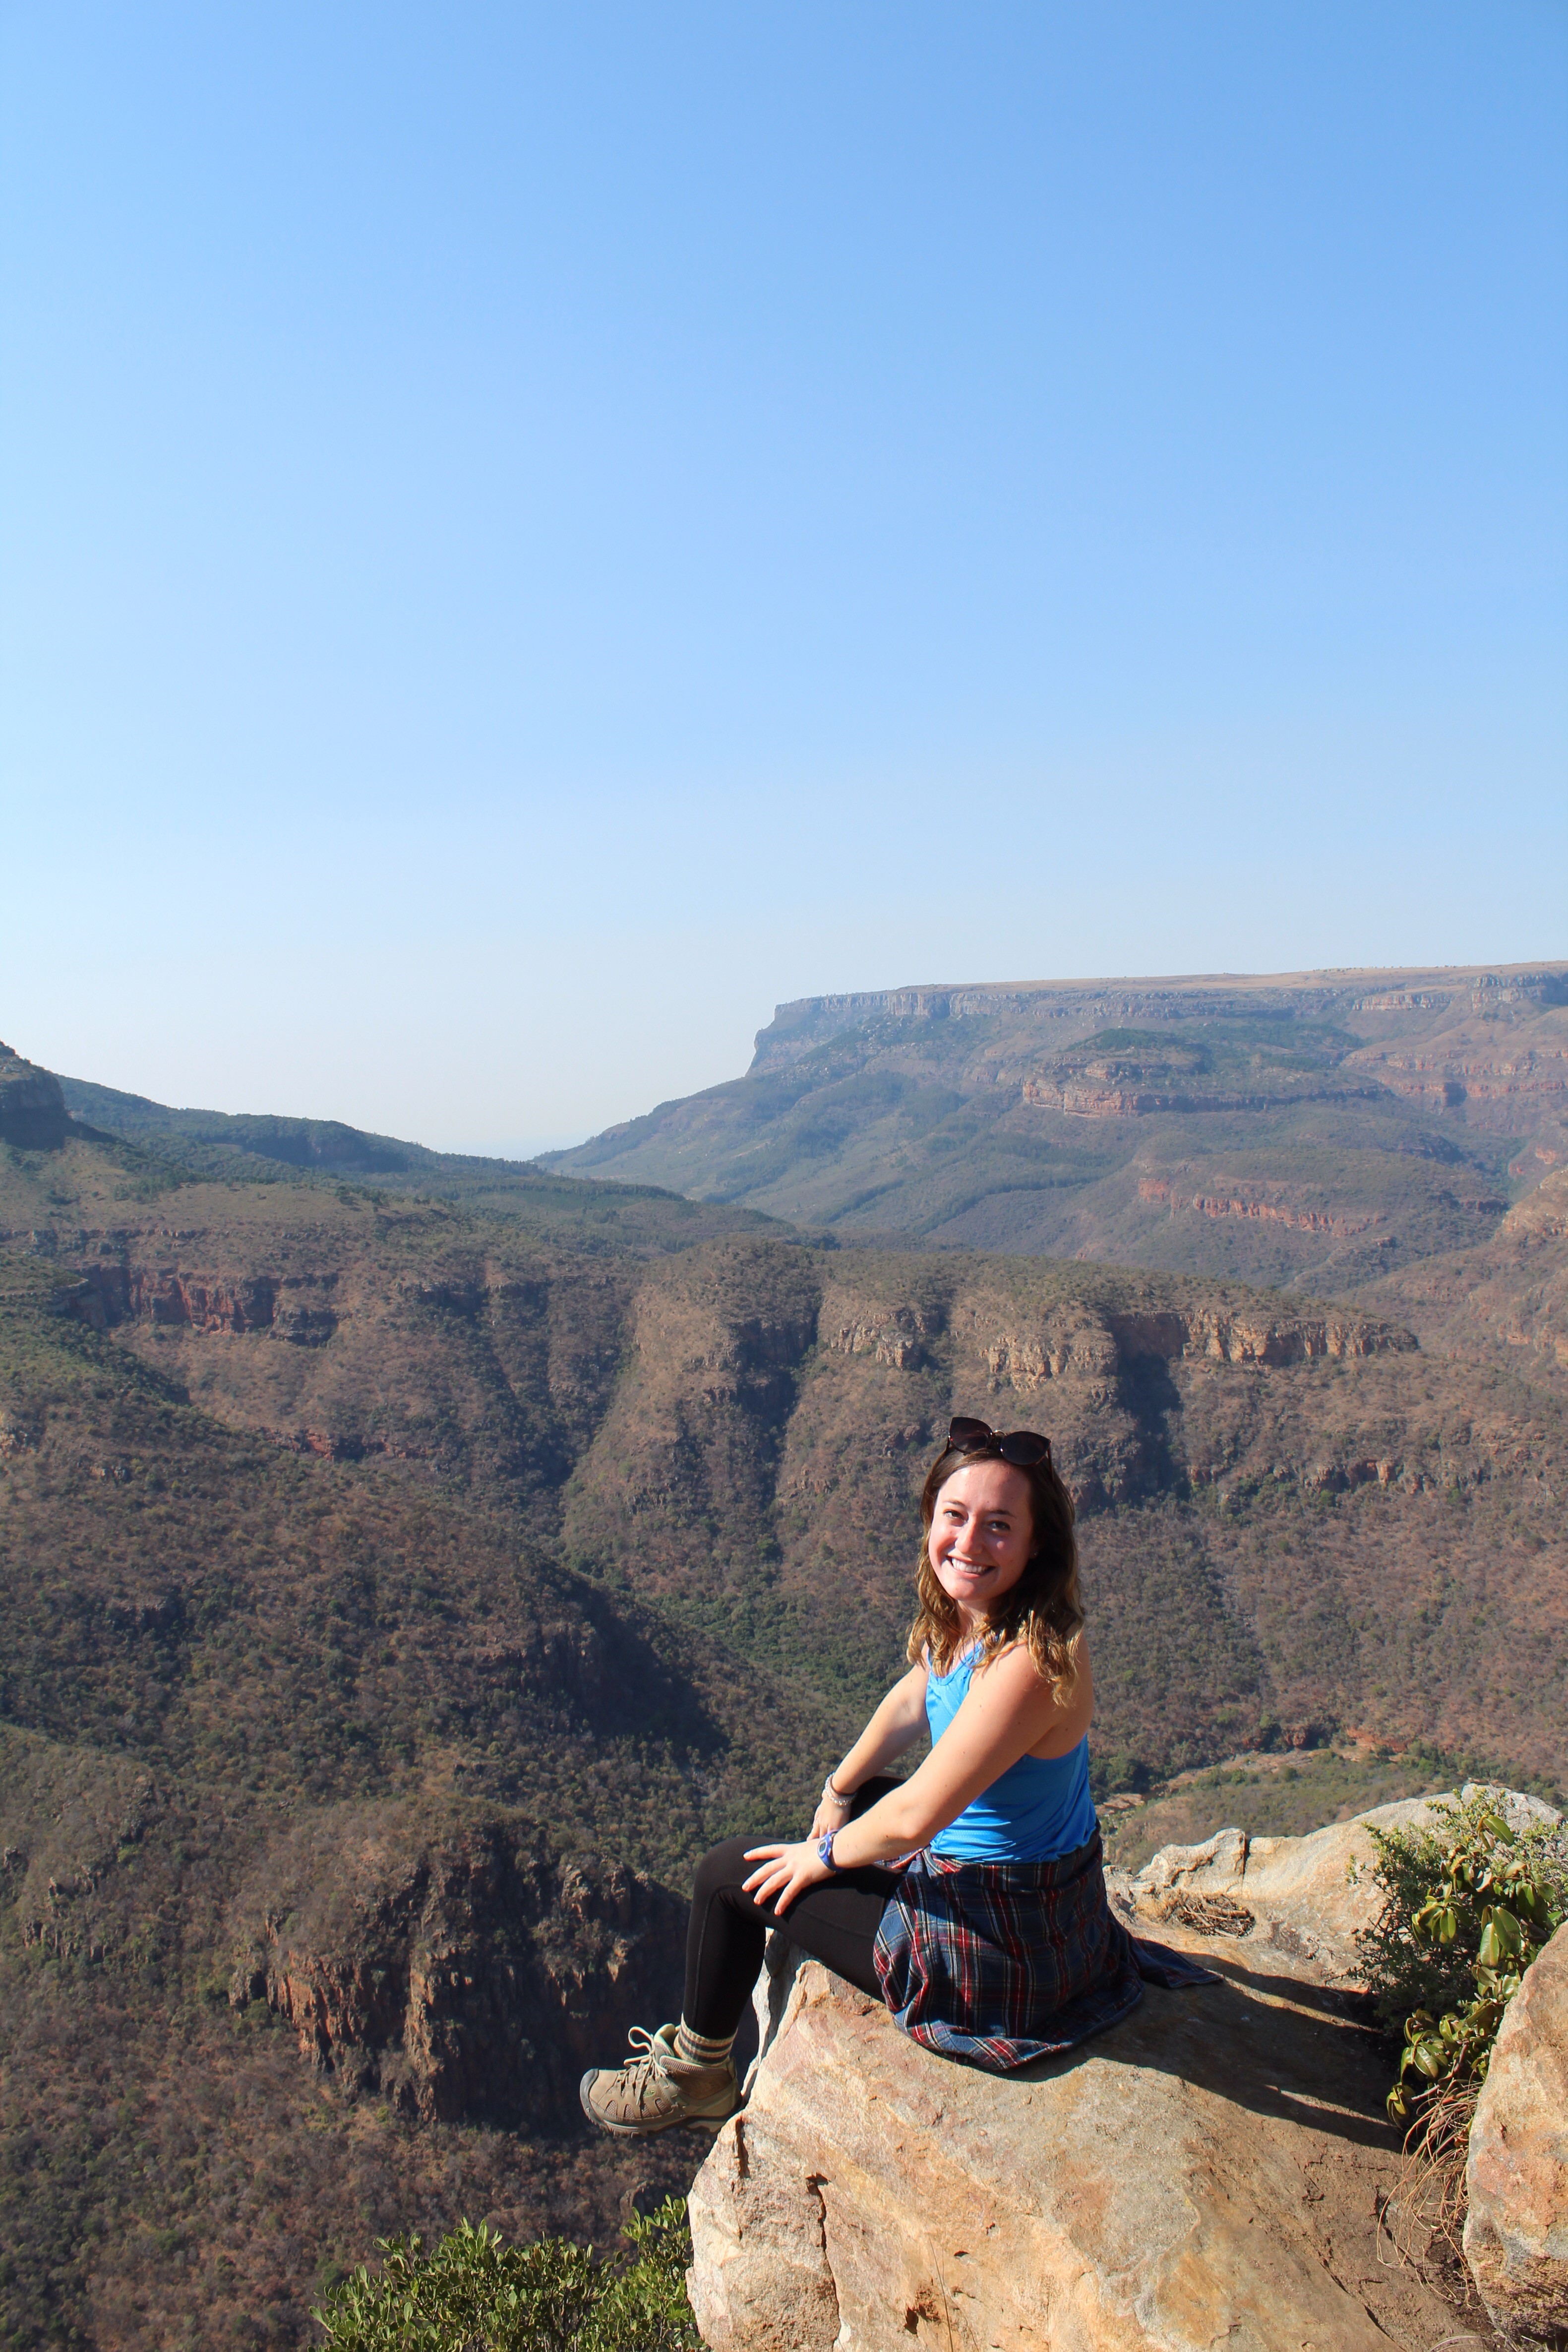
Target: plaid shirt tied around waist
{"x": 999, "y": 1963}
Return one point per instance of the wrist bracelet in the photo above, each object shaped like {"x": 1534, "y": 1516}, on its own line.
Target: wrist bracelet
{"x": 836, "y": 1795}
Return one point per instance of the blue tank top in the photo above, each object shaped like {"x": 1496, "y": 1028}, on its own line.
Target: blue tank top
{"x": 1040, "y": 1808}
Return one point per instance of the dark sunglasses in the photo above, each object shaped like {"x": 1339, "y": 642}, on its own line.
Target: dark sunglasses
{"x": 1022, "y": 1447}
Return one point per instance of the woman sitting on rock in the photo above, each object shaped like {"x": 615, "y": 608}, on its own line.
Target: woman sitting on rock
{"x": 969, "y": 1897}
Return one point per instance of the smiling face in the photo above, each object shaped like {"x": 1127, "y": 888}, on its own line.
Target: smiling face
{"x": 981, "y": 1536}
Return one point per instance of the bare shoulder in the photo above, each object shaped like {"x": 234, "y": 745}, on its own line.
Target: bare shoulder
{"x": 1012, "y": 1679}
{"x": 1058, "y": 1719}
{"x": 1015, "y": 1668}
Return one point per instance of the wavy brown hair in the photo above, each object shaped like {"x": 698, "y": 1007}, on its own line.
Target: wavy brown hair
{"x": 1045, "y": 1607}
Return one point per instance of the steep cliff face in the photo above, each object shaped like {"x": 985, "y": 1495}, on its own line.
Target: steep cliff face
{"x": 31, "y": 1107}
{"x": 466, "y": 1972}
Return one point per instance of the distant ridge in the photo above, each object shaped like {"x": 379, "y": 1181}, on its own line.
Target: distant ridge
{"x": 810, "y": 1020}
{"x": 1313, "y": 1128}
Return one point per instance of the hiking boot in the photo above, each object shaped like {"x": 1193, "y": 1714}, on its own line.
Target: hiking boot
{"x": 658, "y": 2088}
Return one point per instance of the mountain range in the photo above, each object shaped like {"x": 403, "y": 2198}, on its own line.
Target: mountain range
{"x": 408, "y": 1563}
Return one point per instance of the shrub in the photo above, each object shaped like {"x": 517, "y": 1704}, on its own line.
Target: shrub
{"x": 1470, "y": 1903}
{"x": 473, "y": 2293}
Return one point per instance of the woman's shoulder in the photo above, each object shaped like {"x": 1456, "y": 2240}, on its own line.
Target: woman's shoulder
{"x": 1011, "y": 1667}
{"x": 1019, "y": 1650}
{"x": 1018, "y": 1678}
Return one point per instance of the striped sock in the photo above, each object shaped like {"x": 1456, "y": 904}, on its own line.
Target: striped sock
{"x": 702, "y": 2049}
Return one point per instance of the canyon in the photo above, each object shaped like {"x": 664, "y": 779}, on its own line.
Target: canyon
{"x": 409, "y": 1565}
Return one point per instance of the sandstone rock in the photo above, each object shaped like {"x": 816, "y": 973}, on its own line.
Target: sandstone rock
{"x": 1516, "y": 2230}
{"x": 1208, "y": 2173}
{"x": 1308, "y": 1896}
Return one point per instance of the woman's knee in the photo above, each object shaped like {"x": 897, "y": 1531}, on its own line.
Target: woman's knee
{"x": 722, "y": 1866}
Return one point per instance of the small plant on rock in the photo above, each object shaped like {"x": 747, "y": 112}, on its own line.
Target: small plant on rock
{"x": 1470, "y": 1903}
{"x": 474, "y": 2293}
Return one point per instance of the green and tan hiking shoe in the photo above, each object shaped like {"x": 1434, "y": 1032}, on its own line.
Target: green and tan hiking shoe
{"x": 657, "y": 2089}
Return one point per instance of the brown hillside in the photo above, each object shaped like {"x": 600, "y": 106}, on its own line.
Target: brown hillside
{"x": 396, "y": 1594}
{"x": 1507, "y": 1299}
{"x": 734, "y": 1432}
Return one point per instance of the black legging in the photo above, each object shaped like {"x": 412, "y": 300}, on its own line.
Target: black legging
{"x": 836, "y": 1922}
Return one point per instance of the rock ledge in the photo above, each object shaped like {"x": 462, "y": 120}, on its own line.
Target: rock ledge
{"x": 1211, "y": 2171}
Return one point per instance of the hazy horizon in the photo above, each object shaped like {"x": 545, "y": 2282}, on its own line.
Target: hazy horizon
{"x": 524, "y": 1148}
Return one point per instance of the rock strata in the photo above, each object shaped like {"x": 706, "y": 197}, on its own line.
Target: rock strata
{"x": 1516, "y": 2229}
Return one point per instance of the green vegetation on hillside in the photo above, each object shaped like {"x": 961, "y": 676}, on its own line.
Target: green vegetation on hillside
{"x": 1470, "y": 1903}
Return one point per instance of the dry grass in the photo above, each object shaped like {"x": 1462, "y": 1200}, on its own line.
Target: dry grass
{"x": 1423, "y": 2215}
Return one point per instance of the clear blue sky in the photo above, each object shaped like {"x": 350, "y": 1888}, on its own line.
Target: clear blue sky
{"x": 530, "y": 535}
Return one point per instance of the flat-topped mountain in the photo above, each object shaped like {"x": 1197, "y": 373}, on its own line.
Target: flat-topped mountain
{"x": 1315, "y": 1130}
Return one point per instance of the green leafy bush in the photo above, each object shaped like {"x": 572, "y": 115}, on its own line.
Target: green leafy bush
{"x": 1470, "y": 1903}
{"x": 474, "y": 2293}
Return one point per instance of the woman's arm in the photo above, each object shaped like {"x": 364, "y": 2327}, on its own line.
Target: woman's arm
{"x": 895, "y": 1727}
{"x": 1010, "y": 1710}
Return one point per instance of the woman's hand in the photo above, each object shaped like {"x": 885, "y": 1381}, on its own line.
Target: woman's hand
{"x": 786, "y": 1871}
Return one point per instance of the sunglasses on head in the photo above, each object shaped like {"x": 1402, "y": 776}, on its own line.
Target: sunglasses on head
{"x": 1021, "y": 1447}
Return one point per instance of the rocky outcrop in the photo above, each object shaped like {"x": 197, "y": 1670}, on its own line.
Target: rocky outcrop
{"x": 1159, "y": 1189}
{"x": 1516, "y": 2229}
{"x": 1237, "y": 1336}
{"x": 897, "y": 1338}
{"x": 1214, "y": 2169}
{"x": 469, "y": 1974}
{"x": 31, "y": 1107}
{"x": 1541, "y": 1215}
{"x": 1095, "y": 1095}
{"x": 294, "y": 1306}
{"x": 1496, "y": 1084}
{"x": 1208, "y": 2173}
{"x": 1303, "y": 1898}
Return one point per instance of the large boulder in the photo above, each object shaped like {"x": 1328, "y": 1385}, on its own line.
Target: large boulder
{"x": 1211, "y": 2171}
{"x": 1516, "y": 2230}
{"x": 1306, "y": 1898}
